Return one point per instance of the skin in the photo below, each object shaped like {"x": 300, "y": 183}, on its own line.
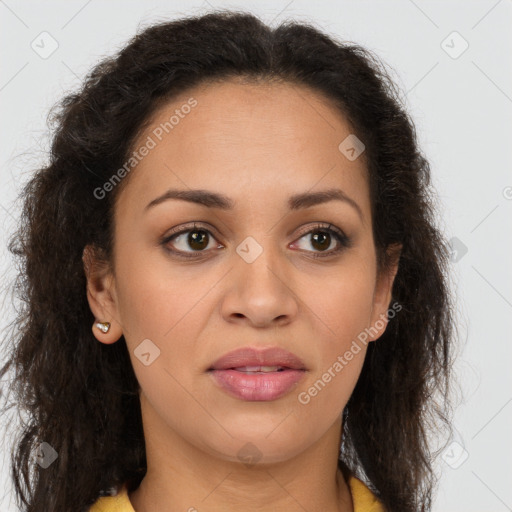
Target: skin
{"x": 257, "y": 144}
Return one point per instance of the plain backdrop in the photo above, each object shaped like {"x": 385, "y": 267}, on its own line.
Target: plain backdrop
{"x": 452, "y": 60}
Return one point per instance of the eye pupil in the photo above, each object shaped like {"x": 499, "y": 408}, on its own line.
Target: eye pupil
{"x": 322, "y": 237}
{"x": 194, "y": 238}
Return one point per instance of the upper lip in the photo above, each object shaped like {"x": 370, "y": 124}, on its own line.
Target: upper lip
{"x": 248, "y": 356}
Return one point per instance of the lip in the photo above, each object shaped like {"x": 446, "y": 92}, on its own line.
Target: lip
{"x": 249, "y": 356}
{"x": 264, "y": 386}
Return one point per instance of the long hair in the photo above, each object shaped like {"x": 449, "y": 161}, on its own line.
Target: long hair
{"x": 80, "y": 397}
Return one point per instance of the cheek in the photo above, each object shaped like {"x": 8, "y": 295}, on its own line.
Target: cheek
{"x": 342, "y": 302}
{"x": 154, "y": 296}
{"x": 327, "y": 392}
{"x": 343, "y": 307}
{"x": 345, "y": 314}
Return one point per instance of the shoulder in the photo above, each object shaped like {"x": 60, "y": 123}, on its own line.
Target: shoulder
{"x": 117, "y": 503}
{"x": 362, "y": 497}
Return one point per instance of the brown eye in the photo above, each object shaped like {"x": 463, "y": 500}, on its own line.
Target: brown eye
{"x": 189, "y": 241}
{"x": 325, "y": 241}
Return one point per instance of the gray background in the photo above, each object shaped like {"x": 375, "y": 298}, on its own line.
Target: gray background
{"x": 461, "y": 102}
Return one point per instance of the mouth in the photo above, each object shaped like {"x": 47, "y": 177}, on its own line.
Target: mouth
{"x": 250, "y": 370}
{"x": 257, "y": 375}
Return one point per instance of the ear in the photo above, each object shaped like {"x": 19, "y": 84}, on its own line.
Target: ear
{"x": 101, "y": 295}
{"x": 382, "y": 293}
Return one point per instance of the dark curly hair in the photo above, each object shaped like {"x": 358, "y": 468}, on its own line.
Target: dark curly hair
{"x": 82, "y": 397}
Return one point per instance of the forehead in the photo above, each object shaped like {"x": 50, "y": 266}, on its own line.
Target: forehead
{"x": 262, "y": 140}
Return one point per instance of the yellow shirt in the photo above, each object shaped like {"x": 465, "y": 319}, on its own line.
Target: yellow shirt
{"x": 364, "y": 500}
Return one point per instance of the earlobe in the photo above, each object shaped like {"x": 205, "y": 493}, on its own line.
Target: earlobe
{"x": 101, "y": 296}
{"x": 106, "y": 332}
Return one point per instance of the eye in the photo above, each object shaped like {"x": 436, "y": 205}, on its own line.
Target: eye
{"x": 324, "y": 237}
{"x": 191, "y": 241}
{"x": 196, "y": 238}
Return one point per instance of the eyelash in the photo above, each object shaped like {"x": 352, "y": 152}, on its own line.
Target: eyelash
{"x": 340, "y": 237}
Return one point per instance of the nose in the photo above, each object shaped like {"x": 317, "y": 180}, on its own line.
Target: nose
{"x": 259, "y": 288}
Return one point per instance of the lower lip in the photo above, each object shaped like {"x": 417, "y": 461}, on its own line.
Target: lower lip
{"x": 257, "y": 386}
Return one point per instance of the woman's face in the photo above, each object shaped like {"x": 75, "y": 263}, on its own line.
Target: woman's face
{"x": 259, "y": 271}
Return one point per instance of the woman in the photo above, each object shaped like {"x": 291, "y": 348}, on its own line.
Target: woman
{"x": 235, "y": 292}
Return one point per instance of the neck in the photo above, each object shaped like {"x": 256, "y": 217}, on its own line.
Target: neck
{"x": 181, "y": 476}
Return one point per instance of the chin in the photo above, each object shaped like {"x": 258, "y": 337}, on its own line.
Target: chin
{"x": 260, "y": 449}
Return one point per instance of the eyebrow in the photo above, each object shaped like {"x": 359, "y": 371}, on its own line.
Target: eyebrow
{"x": 216, "y": 200}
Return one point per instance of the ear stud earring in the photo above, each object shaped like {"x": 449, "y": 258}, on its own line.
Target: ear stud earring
{"x": 103, "y": 326}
